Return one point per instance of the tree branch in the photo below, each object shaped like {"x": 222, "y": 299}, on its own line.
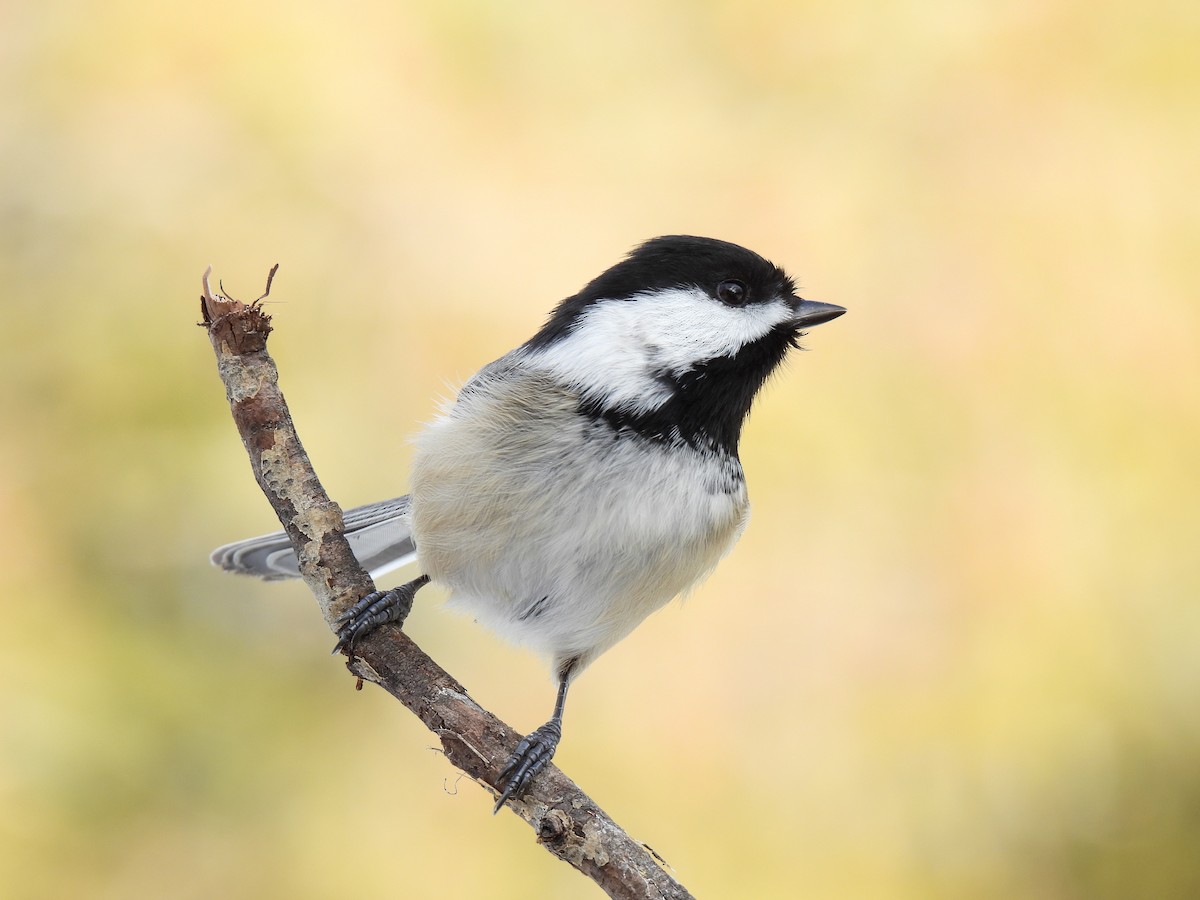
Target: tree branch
{"x": 566, "y": 821}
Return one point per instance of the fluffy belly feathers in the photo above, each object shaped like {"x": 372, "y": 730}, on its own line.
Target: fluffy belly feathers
{"x": 564, "y": 539}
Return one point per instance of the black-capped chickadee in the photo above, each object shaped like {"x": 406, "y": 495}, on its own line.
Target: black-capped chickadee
{"x": 582, "y": 481}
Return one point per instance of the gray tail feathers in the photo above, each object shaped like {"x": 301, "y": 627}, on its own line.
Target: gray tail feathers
{"x": 378, "y": 533}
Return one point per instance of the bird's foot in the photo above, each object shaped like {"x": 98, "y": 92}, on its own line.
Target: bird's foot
{"x": 374, "y": 610}
{"x": 527, "y": 760}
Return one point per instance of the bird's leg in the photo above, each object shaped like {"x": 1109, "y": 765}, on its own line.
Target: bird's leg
{"x": 375, "y": 609}
{"x": 536, "y": 749}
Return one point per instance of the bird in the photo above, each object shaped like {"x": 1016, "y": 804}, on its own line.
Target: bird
{"x": 588, "y": 477}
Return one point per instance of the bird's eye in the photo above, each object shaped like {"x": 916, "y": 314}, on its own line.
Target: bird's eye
{"x": 731, "y": 293}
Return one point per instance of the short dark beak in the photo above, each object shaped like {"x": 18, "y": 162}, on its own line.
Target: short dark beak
{"x": 810, "y": 313}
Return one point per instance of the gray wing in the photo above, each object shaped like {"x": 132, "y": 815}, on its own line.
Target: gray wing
{"x": 378, "y": 533}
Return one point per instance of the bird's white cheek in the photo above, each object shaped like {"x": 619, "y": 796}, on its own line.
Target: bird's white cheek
{"x": 619, "y": 350}
{"x": 685, "y": 328}
{"x": 609, "y": 357}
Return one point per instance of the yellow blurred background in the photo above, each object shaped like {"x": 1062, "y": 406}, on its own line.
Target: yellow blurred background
{"x": 957, "y": 653}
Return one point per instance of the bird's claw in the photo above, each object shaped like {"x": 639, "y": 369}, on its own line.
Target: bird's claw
{"x": 530, "y": 757}
{"x": 369, "y": 613}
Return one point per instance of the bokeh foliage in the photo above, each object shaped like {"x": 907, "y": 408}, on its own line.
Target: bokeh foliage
{"x": 955, "y": 655}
